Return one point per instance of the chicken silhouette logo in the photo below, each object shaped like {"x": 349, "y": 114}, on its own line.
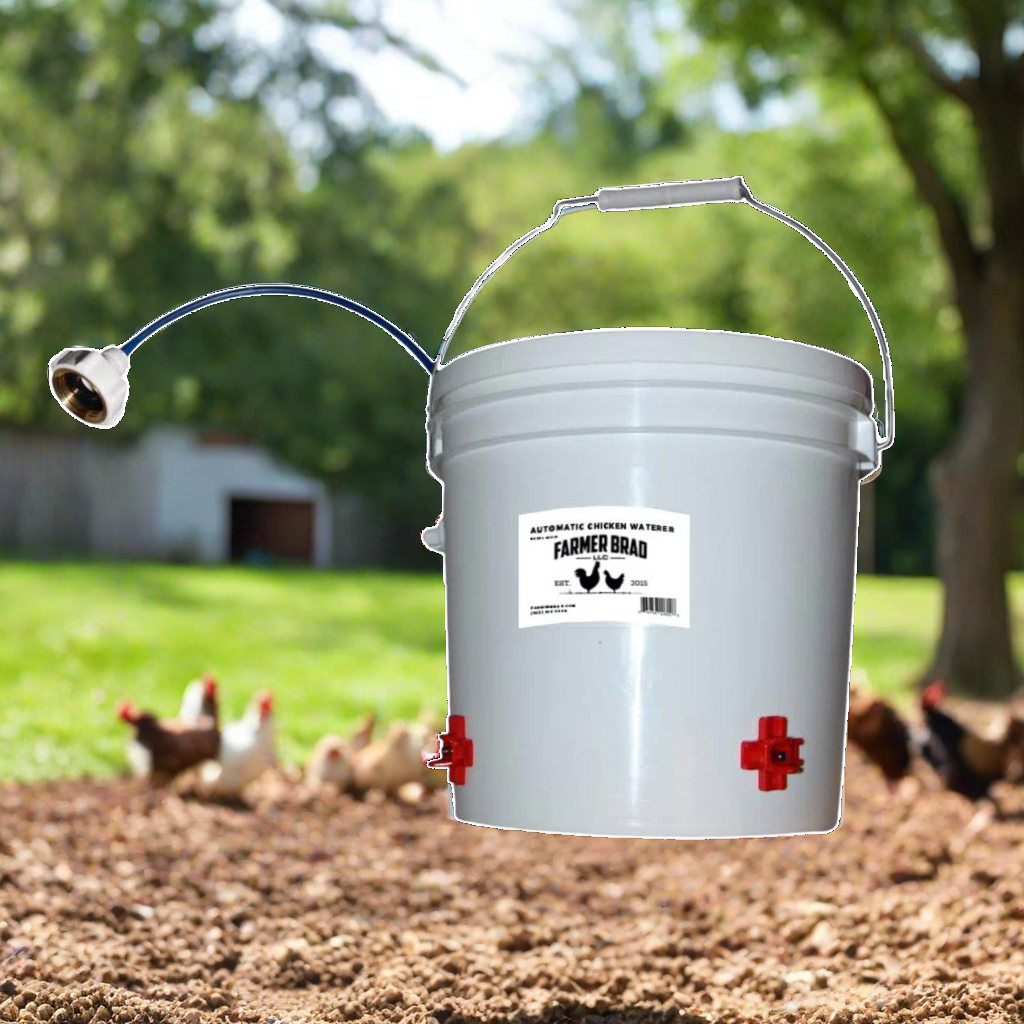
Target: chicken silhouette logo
{"x": 589, "y": 580}
{"x": 614, "y": 582}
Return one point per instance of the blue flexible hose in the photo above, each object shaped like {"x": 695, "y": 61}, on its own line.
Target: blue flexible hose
{"x": 245, "y": 291}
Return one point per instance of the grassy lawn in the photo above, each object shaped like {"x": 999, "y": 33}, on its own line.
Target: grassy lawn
{"x": 78, "y": 638}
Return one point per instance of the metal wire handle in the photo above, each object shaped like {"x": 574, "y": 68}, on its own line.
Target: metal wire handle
{"x": 690, "y": 193}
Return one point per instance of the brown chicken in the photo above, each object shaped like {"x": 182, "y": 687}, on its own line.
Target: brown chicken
{"x": 164, "y": 748}
{"x": 878, "y": 731}
{"x": 364, "y": 734}
{"x": 330, "y": 764}
{"x": 331, "y": 761}
{"x": 968, "y": 764}
{"x": 1010, "y": 730}
{"x": 425, "y": 732}
{"x": 389, "y": 764}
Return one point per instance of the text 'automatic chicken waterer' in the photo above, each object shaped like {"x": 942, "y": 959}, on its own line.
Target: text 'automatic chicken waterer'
{"x": 649, "y": 541}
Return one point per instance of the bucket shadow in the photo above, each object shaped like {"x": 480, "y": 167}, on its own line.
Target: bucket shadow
{"x": 564, "y": 1012}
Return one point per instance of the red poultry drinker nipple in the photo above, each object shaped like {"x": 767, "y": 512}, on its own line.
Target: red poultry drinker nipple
{"x": 649, "y": 541}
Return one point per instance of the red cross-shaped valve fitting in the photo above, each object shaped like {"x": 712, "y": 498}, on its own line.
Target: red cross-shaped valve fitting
{"x": 773, "y": 755}
{"x": 454, "y": 751}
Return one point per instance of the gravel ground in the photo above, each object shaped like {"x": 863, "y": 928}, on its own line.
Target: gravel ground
{"x": 118, "y": 905}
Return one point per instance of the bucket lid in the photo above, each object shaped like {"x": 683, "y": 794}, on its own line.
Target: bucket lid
{"x": 680, "y": 347}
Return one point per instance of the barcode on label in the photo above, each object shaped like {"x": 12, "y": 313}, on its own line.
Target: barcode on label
{"x": 658, "y": 605}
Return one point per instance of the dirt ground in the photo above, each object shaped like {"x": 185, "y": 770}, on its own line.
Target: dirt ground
{"x": 117, "y": 906}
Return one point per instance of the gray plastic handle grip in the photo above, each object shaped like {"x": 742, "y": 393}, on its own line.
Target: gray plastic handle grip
{"x": 671, "y": 193}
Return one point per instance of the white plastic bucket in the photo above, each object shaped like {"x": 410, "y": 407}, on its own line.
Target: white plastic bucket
{"x": 635, "y": 726}
{"x": 649, "y": 541}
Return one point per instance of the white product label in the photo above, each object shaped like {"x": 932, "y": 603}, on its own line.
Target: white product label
{"x": 604, "y": 563}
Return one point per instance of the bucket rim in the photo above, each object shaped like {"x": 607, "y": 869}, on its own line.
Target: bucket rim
{"x": 601, "y": 346}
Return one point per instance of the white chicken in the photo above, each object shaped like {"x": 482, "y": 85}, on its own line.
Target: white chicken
{"x": 247, "y": 750}
{"x": 199, "y": 700}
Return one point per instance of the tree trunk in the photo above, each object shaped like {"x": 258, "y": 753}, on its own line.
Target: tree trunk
{"x": 975, "y": 652}
{"x": 974, "y": 484}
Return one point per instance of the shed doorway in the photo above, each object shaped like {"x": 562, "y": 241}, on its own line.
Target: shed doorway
{"x": 266, "y": 532}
